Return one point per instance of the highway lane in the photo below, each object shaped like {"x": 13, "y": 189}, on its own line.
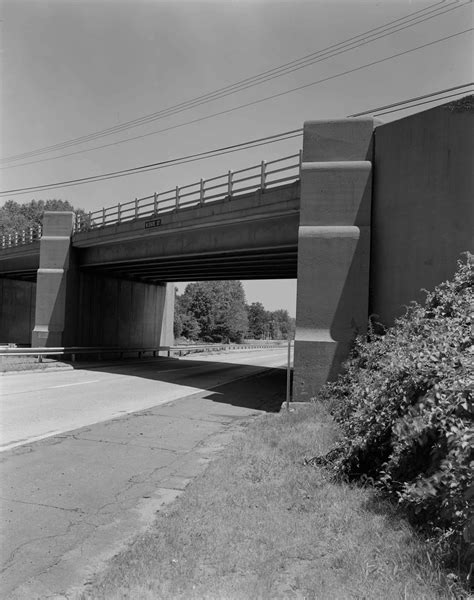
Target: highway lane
{"x": 132, "y": 436}
{"x": 38, "y": 405}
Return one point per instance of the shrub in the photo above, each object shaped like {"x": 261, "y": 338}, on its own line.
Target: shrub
{"x": 405, "y": 408}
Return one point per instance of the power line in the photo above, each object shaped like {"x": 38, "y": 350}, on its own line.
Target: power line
{"x": 227, "y": 149}
{"x": 418, "y": 104}
{"x": 379, "y": 108}
{"x": 166, "y": 163}
{"x": 305, "y": 61}
{"x": 157, "y": 165}
{"x": 255, "y": 102}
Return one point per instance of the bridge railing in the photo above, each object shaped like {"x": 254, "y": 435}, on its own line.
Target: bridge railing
{"x": 25, "y": 236}
{"x": 230, "y": 185}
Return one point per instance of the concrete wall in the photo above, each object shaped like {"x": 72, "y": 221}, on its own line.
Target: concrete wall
{"x": 333, "y": 248}
{"x": 115, "y": 312}
{"x": 423, "y": 204}
{"x": 17, "y": 310}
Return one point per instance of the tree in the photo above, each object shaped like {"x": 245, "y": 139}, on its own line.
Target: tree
{"x": 258, "y": 320}
{"x": 14, "y": 217}
{"x": 214, "y": 310}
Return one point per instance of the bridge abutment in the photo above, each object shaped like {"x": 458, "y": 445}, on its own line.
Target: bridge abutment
{"x": 76, "y": 308}
{"x": 333, "y": 248}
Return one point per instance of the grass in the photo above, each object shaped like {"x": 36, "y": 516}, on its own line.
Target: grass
{"x": 259, "y": 524}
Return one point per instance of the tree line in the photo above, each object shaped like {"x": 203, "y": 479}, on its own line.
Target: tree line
{"x": 14, "y": 217}
{"x": 216, "y": 311}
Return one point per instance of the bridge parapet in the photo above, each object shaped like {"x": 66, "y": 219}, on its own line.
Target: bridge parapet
{"x": 231, "y": 186}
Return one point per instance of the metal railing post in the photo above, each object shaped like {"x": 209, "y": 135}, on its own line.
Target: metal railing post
{"x": 103, "y": 216}
{"x": 155, "y": 203}
{"x": 262, "y": 174}
{"x": 118, "y": 213}
{"x": 136, "y": 208}
{"x": 229, "y": 184}
{"x": 177, "y": 197}
{"x": 300, "y": 161}
{"x": 201, "y": 191}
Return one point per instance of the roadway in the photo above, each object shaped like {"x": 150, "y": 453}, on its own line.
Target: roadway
{"x": 89, "y": 455}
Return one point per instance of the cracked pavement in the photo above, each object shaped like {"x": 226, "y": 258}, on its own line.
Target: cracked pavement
{"x": 71, "y": 501}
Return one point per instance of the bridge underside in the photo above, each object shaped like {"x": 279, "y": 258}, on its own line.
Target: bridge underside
{"x": 278, "y": 263}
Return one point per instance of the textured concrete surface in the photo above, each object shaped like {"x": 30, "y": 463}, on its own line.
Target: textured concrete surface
{"x": 423, "y": 208}
{"x": 333, "y": 248}
{"x": 71, "y": 501}
{"x": 52, "y": 283}
{"x": 17, "y": 310}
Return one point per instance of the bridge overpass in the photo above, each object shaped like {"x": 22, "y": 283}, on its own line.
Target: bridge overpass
{"x": 106, "y": 278}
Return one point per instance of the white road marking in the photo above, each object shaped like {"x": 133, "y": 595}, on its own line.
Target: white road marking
{"x": 69, "y": 384}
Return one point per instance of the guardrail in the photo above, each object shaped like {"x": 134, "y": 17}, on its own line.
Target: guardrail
{"x": 19, "y": 238}
{"x": 230, "y": 185}
{"x": 100, "y": 352}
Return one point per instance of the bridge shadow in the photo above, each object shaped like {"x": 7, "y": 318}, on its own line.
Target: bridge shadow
{"x": 247, "y": 386}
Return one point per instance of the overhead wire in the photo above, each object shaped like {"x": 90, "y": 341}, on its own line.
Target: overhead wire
{"x": 166, "y": 163}
{"x": 379, "y": 108}
{"x": 277, "y": 95}
{"x": 354, "y": 42}
{"x": 406, "y": 104}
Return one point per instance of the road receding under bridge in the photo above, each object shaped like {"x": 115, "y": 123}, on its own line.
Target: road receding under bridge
{"x": 90, "y": 455}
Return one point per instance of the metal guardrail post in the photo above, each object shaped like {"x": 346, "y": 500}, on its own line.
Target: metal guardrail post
{"x": 300, "y": 161}
{"x": 288, "y": 377}
{"x": 177, "y": 197}
{"x": 136, "y": 208}
{"x": 155, "y": 203}
{"x": 229, "y": 183}
{"x": 118, "y": 212}
{"x": 263, "y": 174}
{"x": 201, "y": 191}
{"x": 103, "y": 216}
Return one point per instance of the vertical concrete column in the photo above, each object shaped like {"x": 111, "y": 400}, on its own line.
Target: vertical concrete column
{"x": 52, "y": 282}
{"x": 333, "y": 248}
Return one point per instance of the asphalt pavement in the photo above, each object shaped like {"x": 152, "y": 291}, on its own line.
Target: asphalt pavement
{"x": 88, "y": 456}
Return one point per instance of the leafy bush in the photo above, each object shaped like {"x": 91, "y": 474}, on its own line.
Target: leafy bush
{"x": 405, "y": 408}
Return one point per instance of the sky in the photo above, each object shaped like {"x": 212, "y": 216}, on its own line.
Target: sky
{"x": 71, "y": 68}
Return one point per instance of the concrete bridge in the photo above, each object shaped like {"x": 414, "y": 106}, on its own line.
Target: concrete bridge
{"x": 318, "y": 216}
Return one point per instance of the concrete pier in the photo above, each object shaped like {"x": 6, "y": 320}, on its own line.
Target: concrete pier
{"x": 333, "y": 248}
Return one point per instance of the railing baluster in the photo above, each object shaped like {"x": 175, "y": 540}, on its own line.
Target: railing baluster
{"x": 262, "y": 174}
{"x": 229, "y": 184}
{"x": 201, "y": 191}
{"x": 177, "y": 197}
{"x": 103, "y": 217}
{"x": 155, "y": 203}
{"x": 118, "y": 213}
{"x": 136, "y": 208}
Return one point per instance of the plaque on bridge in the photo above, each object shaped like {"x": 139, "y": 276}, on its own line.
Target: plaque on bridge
{"x": 153, "y": 223}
